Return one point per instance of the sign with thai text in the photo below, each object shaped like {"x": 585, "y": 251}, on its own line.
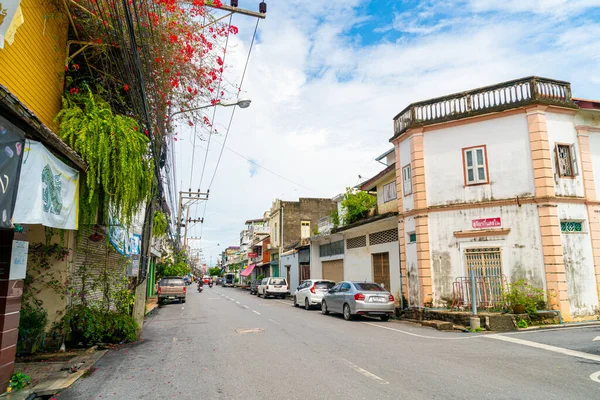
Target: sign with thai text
{"x": 251, "y": 255}
{"x": 486, "y": 223}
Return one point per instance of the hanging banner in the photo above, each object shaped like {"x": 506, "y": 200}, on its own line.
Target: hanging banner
{"x": 124, "y": 242}
{"x": 48, "y": 190}
{"x": 11, "y": 17}
{"x": 12, "y": 140}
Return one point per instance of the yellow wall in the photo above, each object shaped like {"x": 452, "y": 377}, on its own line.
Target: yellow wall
{"x": 32, "y": 67}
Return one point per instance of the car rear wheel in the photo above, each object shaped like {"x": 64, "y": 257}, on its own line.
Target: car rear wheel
{"x": 306, "y": 304}
{"x": 385, "y": 318}
{"x": 258, "y": 294}
{"x": 324, "y": 309}
{"x": 347, "y": 312}
{"x": 295, "y": 302}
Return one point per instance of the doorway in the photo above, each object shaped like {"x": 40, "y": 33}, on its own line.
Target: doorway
{"x": 381, "y": 270}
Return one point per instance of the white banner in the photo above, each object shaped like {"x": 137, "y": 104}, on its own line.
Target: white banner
{"x": 11, "y": 17}
{"x": 48, "y": 190}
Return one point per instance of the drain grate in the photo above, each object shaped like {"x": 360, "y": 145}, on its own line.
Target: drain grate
{"x": 249, "y": 330}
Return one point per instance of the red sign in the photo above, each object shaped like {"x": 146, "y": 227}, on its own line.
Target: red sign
{"x": 486, "y": 223}
{"x": 251, "y": 255}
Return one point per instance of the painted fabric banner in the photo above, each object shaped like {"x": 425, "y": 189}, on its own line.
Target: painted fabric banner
{"x": 124, "y": 242}
{"x": 11, "y": 17}
{"x": 48, "y": 190}
{"x": 12, "y": 140}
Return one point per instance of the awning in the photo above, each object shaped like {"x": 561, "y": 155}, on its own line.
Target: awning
{"x": 248, "y": 270}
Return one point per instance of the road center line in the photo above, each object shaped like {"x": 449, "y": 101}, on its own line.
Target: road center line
{"x": 246, "y": 307}
{"x": 284, "y": 302}
{"x": 423, "y": 336}
{"x": 365, "y": 372}
{"x": 567, "y": 352}
{"x": 238, "y": 302}
{"x": 273, "y": 321}
{"x": 255, "y": 312}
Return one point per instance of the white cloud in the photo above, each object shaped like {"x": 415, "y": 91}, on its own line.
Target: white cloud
{"x": 322, "y": 104}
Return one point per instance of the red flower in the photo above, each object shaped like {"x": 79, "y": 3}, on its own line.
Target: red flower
{"x": 206, "y": 120}
{"x": 219, "y": 61}
{"x": 146, "y": 132}
{"x": 126, "y": 87}
{"x": 74, "y": 91}
{"x": 76, "y": 67}
{"x": 191, "y": 122}
{"x": 233, "y": 29}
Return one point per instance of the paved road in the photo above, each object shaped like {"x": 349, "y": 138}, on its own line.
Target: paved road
{"x": 207, "y": 349}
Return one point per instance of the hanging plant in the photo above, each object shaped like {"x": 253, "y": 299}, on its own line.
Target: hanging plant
{"x": 120, "y": 169}
{"x": 159, "y": 227}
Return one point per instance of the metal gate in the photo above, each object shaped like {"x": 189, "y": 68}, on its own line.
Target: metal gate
{"x": 333, "y": 270}
{"x": 484, "y": 261}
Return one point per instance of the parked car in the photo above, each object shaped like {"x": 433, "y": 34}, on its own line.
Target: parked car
{"x": 254, "y": 286}
{"x": 171, "y": 288}
{"x": 219, "y": 281}
{"x": 228, "y": 280}
{"x": 187, "y": 280}
{"x": 358, "y": 298}
{"x": 276, "y": 287}
{"x": 310, "y": 292}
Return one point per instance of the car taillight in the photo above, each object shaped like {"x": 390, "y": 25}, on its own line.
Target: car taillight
{"x": 159, "y": 290}
{"x": 267, "y": 286}
{"x": 359, "y": 296}
{"x": 312, "y": 289}
{"x": 391, "y": 298}
{"x": 184, "y": 289}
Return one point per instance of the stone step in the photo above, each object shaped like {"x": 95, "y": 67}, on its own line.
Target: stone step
{"x": 439, "y": 325}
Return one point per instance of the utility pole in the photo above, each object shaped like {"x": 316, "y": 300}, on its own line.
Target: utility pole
{"x": 186, "y": 200}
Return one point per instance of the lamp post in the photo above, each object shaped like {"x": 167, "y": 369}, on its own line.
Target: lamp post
{"x": 242, "y": 103}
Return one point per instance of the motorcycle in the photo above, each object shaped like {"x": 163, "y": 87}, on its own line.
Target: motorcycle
{"x": 199, "y": 289}
{"x": 210, "y": 284}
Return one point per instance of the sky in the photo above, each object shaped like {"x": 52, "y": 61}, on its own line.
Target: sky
{"x": 326, "y": 79}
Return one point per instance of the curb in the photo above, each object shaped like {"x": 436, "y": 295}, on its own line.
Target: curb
{"x": 560, "y": 326}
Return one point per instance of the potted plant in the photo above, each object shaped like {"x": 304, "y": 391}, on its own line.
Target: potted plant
{"x": 524, "y": 298}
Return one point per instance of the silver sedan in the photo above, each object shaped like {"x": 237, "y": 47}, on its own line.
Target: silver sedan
{"x": 358, "y": 298}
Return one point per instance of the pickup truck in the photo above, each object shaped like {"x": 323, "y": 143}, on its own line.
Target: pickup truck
{"x": 171, "y": 288}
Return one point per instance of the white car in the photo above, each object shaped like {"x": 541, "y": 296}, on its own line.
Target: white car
{"x": 310, "y": 292}
{"x": 276, "y": 287}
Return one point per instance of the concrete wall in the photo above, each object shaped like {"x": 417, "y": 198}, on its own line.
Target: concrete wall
{"x": 521, "y": 249}
{"x": 595, "y": 153}
{"x": 561, "y": 129}
{"x": 579, "y": 262}
{"x": 508, "y": 153}
{"x": 291, "y": 261}
{"x": 316, "y": 261}
{"x": 408, "y": 202}
{"x": 412, "y": 292}
{"x": 358, "y": 262}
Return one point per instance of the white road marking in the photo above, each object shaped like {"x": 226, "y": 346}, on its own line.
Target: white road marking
{"x": 255, "y": 312}
{"x": 595, "y": 376}
{"x": 273, "y": 321}
{"x": 567, "y": 352}
{"x": 423, "y": 336}
{"x": 366, "y": 373}
{"x": 232, "y": 299}
{"x": 246, "y": 307}
{"x": 548, "y": 330}
{"x": 284, "y": 302}
{"x": 238, "y": 302}
{"x": 596, "y": 338}
{"x": 214, "y": 298}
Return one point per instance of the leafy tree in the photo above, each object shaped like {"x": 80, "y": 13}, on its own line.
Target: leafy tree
{"x": 357, "y": 205}
{"x": 214, "y": 271}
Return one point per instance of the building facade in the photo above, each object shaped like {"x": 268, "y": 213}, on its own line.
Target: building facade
{"x": 500, "y": 181}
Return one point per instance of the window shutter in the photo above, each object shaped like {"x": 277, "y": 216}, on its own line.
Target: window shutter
{"x": 574, "y": 160}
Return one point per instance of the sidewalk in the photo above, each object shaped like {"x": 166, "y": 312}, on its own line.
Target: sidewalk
{"x": 49, "y": 377}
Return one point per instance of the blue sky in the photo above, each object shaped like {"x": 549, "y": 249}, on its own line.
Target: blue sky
{"x": 327, "y": 77}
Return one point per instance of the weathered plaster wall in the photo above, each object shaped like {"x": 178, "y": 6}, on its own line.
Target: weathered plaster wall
{"x": 561, "y": 129}
{"x": 316, "y": 261}
{"x": 595, "y": 154}
{"x": 508, "y": 154}
{"x": 579, "y": 262}
{"x": 521, "y": 249}
{"x": 358, "y": 262}
{"x": 408, "y": 202}
{"x": 413, "y": 291}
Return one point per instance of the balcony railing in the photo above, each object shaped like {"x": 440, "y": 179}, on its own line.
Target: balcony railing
{"x": 489, "y": 99}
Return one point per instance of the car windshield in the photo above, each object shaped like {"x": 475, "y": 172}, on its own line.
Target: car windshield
{"x": 369, "y": 287}
{"x": 277, "y": 281}
{"x": 324, "y": 285}
{"x": 171, "y": 281}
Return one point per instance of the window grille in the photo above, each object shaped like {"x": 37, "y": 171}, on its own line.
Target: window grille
{"x": 484, "y": 261}
{"x": 355, "y": 242}
{"x": 383, "y": 237}
{"x": 571, "y": 226}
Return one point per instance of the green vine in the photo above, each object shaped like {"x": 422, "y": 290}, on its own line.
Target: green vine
{"x": 120, "y": 169}
{"x": 159, "y": 227}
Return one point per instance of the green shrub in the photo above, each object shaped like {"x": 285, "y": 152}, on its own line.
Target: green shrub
{"x": 357, "y": 205}
{"x": 91, "y": 325}
{"x": 19, "y": 381}
{"x": 522, "y": 293}
{"x": 31, "y": 327}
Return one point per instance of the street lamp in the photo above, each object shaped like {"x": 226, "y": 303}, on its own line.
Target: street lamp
{"x": 244, "y": 102}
